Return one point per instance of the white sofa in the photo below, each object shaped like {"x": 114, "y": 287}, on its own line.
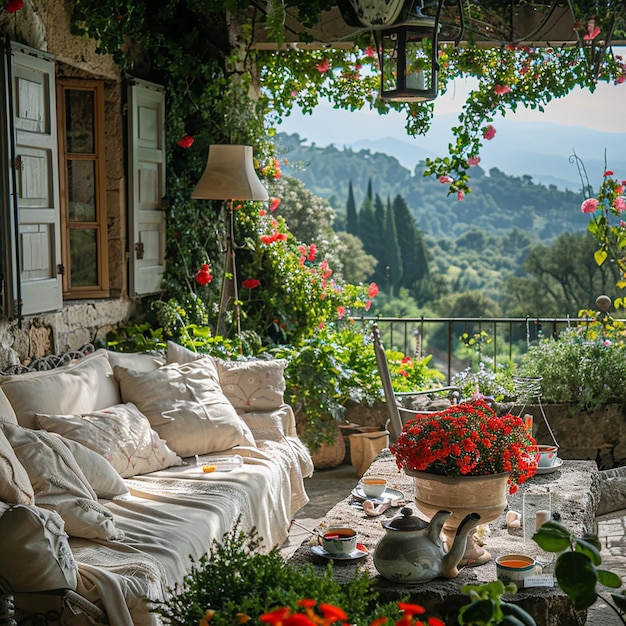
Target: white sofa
{"x": 121, "y": 447}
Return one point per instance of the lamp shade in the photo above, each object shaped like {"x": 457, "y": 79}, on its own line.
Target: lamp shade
{"x": 230, "y": 175}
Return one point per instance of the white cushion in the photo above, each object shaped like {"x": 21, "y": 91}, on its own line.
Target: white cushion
{"x": 59, "y": 483}
{"x": 121, "y": 434}
{"x": 15, "y": 487}
{"x": 100, "y": 474}
{"x": 83, "y": 386}
{"x": 139, "y": 361}
{"x": 179, "y": 354}
{"x": 253, "y": 386}
{"x": 186, "y": 406}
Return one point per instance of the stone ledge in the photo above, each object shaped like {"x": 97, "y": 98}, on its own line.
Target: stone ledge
{"x": 575, "y": 489}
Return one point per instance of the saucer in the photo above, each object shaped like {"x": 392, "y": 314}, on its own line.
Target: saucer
{"x": 393, "y": 496}
{"x": 359, "y": 553}
{"x": 549, "y": 470}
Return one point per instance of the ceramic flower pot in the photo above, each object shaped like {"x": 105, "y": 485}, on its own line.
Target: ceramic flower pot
{"x": 485, "y": 495}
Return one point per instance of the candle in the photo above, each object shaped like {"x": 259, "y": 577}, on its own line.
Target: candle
{"x": 541, "y": 518}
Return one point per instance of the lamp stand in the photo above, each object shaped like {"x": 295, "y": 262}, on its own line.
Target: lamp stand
{"x": 229, "y": 291}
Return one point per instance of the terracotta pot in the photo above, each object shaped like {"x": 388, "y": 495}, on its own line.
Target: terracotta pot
{"x": 485, "y": 495}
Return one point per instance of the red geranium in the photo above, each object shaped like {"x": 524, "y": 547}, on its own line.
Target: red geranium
{"x": 14, "y": 6}
{"x": 467, "y": 439}
{"x": 203, "y": 276}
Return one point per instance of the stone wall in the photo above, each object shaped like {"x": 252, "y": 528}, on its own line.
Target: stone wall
{"x": 599, "y": 435}
{"x": 45, "y": 25}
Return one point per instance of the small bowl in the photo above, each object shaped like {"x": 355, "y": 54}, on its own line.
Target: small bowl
{"x": 373, "y": 486}
{"x": 547, "y": 455}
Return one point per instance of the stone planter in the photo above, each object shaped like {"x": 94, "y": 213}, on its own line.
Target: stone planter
{"x": 598, "y": 435}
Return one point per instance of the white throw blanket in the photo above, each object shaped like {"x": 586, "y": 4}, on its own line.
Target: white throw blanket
{"x": 175, "y": 514}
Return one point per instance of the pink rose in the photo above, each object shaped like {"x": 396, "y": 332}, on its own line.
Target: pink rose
{"x": 473, "y": 160}
{"x": 589, "y": 205}
{"x": 489, "y": 132}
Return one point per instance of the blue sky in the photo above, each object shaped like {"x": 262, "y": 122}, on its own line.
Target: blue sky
{"x": 604, "y": 110}
{"x": 593, "y": 125}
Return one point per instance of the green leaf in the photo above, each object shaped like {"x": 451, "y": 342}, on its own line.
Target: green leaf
{"x": 609, "y": 579}
{"x": 584, "y": 546}
{"x": 577, "y": 577}
{"x": 600, "y": 256}
{"x": 517, "y": 613}
{"x": 553, "y": 537}
{"x": 620, "y": 600}
{"x": 479, "y": 612}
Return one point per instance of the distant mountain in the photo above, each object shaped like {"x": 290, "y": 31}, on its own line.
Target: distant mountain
{"x": 409, "y": 153}
{"x": 498, "y": 203}
{"x": 517, "y": 150}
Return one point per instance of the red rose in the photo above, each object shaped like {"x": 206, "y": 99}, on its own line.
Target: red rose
{"x": 186, "y": 142}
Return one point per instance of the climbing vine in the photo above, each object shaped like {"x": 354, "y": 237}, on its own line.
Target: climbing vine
{"x": 220, "y": 89}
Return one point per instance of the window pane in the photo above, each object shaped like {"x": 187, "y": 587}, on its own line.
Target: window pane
{"x": 81, "y": 177}
{"x": 84, "y": 257}
{"x": 79, "y": 120}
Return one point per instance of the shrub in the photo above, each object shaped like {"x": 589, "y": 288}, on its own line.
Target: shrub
{"x": 580, "y": 367}
{"x": 236, "y": 578}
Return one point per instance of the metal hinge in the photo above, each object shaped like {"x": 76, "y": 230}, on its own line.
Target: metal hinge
{"x": 139, "y": 250}
{"x": 61, "y": 269}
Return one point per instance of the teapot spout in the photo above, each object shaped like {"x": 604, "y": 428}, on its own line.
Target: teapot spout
{"x": 451, "y": 560}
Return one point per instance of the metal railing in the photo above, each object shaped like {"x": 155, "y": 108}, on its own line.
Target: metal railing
{"x": 504, "y": 338}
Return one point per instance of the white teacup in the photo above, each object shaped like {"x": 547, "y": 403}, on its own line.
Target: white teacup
{"x": 547, "y": 455}
{"x": 515, "y": 568}
{"x": 373, "y": 486}
{"x": 339, "y": 540}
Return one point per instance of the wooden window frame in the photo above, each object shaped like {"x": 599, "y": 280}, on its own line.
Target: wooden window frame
{"x": 101, "y": 289}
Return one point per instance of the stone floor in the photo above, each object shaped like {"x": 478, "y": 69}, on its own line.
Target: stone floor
{"x": 327, "y": 487}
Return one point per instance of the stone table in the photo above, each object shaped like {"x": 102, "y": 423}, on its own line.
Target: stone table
{"x": 575, "y": 493}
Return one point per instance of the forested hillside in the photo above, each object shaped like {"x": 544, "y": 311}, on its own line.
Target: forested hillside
{"x": 511, "y": 247}
{"x": 497, "y": 203}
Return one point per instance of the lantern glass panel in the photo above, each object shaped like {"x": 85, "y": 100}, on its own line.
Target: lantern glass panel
{"x": 419, "y": 74}
{"x": 389, "y": 65}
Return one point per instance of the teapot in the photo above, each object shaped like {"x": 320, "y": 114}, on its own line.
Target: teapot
{"x": 412, "y": 551}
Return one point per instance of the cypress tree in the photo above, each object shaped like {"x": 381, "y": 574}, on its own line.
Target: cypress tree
{"x": 352, "y": 219}
{"x": 379, "y": 210}
{"x": 411, "y": 243}
{"x": 392, "y": 259}
{"x": 368, "y": 233}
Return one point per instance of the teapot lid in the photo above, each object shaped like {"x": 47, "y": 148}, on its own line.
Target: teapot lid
{"x": 406, "y": 521}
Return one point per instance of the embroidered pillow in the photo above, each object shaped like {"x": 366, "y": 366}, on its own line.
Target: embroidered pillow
{"x": 253, "y": 386}
{"x": 121, "y": 434}
{"x": 36, "y": 555}
{"x": 59, "y": 483}
{"x": 186, "y": 406}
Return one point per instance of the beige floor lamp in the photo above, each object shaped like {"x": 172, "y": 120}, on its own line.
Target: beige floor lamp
{"x": 230, "y": 176}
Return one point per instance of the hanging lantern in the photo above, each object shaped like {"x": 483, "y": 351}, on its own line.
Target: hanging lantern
{"x": 408, "y": 58}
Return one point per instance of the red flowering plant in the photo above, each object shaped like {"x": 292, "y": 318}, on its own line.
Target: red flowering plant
{"x": 468, "y": 439}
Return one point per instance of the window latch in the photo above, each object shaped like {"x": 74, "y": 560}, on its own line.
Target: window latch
{"x": 139, "y": 250}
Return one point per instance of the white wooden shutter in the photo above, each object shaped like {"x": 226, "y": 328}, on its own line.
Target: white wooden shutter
{"x": 146, "y": 144}
{"x": 33, "y": 183}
